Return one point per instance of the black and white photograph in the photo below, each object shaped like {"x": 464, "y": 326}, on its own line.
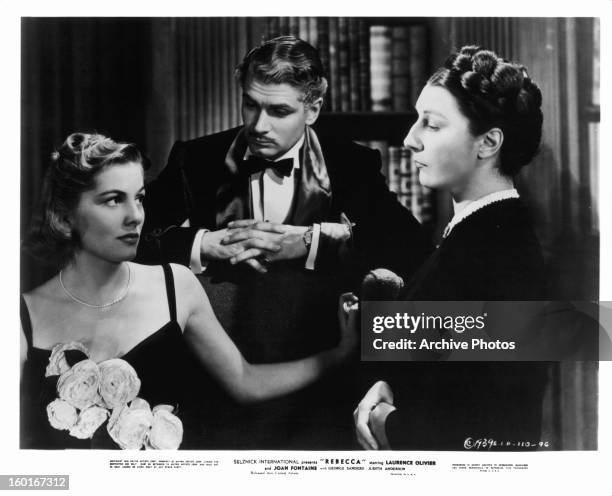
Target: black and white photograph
{"x": 211, "y": 207}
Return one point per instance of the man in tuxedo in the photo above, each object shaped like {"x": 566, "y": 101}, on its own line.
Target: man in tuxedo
{"x": 277, "y": 221}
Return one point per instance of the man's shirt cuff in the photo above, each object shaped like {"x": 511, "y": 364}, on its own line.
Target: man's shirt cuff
{"x": 314, "y": 247}
{"x": 195, "y": 264}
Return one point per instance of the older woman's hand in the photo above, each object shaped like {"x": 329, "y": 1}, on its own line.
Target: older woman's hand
{"x": 377, "y": 394}
{"x": 348, "y": 313}
{"x": 376, "y": 422}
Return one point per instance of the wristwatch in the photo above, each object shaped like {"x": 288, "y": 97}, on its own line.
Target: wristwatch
{"x": 307, "y": 237}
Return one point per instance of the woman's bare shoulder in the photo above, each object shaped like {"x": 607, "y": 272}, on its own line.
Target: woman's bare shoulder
{"x": 146, "y": 271}
{"x": 182, "y": 273}
{"x": 46, "y": 293}
{"x": 152, "y": 276}
{"x": 186, "y": 282}
{"x": 190, "y": 294}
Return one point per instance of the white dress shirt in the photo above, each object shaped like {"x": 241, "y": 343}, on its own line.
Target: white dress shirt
{"x": 272, "y": 195}
{"x": 271, "y": 199}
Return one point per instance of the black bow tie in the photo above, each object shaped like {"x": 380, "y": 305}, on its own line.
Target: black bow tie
{"x": 282, "y": 167}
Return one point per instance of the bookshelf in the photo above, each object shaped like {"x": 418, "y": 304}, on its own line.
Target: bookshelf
{"x": 389, "y": 126}
{"x": 591, "y": 113}
{"x": 372, "y": 64}
{"x": 375, "y": 68}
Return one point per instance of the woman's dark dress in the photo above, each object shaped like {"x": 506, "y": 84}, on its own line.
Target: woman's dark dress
{"x": 492, "y": 254}
{"x": 158, "y": 360}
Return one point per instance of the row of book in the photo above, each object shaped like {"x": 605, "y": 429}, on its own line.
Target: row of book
{"x": 370, "y": 66}
{"x": 593, "y": 132}
{"x": 596, "y": 61}
{"x": 402, "y": 177}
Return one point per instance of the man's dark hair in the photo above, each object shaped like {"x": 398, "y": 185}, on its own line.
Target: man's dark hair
{"x": 493, "y": 92}
{"x": 289, "y": 60}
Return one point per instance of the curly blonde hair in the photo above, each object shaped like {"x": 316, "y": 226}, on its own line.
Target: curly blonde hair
{"x": 72, "y": 171}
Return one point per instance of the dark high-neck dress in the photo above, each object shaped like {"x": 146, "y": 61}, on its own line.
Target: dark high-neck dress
{"x": 492, "y": 254}
{"x": 158, "y": 360}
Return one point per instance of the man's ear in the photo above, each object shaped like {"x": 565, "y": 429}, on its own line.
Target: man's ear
{"x": 313, "y": 110}
{"x": 491, "y": 143}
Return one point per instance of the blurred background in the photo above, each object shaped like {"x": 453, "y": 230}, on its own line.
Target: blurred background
{"x": 153, "y": 81}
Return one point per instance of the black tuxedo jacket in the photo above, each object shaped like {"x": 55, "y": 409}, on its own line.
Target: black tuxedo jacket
{"x": 196, "y": 185}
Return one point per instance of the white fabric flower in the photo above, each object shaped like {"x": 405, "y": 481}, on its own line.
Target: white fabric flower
{"x": 130, "y": 427}
{"x": 57, "y": 361}
{"x": 119, "y": 383}
{"x": 140, "y": 404}
{"x": 166, "y": 431}
{"x": 62, "y": 415}
{"x": 79, "y": 385}
{"x": 88, "y": 422}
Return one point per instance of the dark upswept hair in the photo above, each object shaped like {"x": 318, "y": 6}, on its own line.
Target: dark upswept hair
{"x": 493, "y": 92}
{"x": 289, "y": 60}
{"x": 72, "y": 171}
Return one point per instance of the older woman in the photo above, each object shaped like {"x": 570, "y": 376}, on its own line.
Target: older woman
{"x": 479, "y": 122}
{"x": 101, "y": 306}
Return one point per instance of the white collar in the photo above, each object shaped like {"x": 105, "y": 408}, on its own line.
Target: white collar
{"x": 476, "y": 205}
{"x": 293, "y": 152}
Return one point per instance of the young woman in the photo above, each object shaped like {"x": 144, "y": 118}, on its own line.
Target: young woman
{"x": 479, "y": 122}
{"x": 152, "y": 317}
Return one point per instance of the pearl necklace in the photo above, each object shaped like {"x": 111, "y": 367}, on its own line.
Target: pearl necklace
{"x": 105, "y": 305}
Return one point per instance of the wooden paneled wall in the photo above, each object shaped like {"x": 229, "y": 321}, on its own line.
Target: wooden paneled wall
{"x": 195, "y": 89}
